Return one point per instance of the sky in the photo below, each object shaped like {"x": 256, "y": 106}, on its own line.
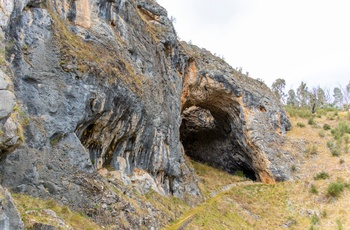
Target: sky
{"x": 297, "y": 40}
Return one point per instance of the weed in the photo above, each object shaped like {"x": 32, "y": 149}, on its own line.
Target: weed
{"x": 335, "y": 189}
{"x": 321, "y": 176}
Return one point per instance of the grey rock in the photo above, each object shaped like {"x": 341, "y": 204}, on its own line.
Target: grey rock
{"x": 42, "y": 226}
{"x": 9, "y": 215}
{"x": 7, "y": 103}
{"x": 3, "y": 83}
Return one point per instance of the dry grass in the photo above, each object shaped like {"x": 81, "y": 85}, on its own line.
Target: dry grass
{"x": 31, "y": 210}
{"x": 302, "y": 204}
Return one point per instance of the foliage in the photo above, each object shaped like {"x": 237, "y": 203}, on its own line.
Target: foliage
{"x": 311, "y": 121}
{"x": 321, "y": 176}
{"x": 300, "y": 125}
{"x": 313, "y": 189}
{"x": 277, "y": 88}
{"x": 335, "y": 189}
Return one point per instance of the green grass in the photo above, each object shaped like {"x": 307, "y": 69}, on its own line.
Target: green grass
{"x": 335, "y": 189}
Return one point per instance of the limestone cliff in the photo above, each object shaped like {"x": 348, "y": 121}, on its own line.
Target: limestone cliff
{"x": 90, "y": 85}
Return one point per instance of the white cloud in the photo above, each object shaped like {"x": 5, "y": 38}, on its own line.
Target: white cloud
{"x": 291, "y": 39}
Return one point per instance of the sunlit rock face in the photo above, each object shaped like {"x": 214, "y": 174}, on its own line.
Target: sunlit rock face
{"x": 100, "y": 84}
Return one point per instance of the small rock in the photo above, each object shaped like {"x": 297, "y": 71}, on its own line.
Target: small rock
{"x": 7, "y": 103}
{"x": 41, "y": 226}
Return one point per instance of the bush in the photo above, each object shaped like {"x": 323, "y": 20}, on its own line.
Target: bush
{"x": 311, "y": 121}
{"x": 335, "y": 152}
{"x": 335, "y": 189}
{"x": 340, "y": 130}
{"x": 321, "y": 176}
{"x": 322, "y": 133}
{"x": 300, "y": 125}
{"x": 326, "y": 127}
{"x": 341, "y": 161}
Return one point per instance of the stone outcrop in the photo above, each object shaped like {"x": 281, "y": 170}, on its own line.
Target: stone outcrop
{"x": 103, "y": 84}
{"x": 9, "y": 215}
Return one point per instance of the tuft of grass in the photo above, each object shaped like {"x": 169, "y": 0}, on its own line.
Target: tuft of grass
{"x": 321, "y": 176}
{"x": 335, "y": 189}
{"x": 315, "y": 219}
{"x": 313, "y": 189}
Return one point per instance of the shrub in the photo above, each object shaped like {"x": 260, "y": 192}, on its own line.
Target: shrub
{"x": 321, "y": 176}
{"x": 311, "y": 150}
{"x": 322, "y": 133}
{"x": 335, "y": 189}
{"x": 330, "y": 144}
{"x": 311, "y": 121}
{"x": 300, "y": 125}
{"x": 341, "y": 161}
{"x": 335, "y": 152}
{"x": 326, "y": 127}
{"x": 346, "y": 138}
{"x": 293, "y": 168}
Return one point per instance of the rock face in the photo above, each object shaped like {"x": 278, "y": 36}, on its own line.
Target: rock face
{"x": 105, "y": 84}
{"x": 9, "y": 215}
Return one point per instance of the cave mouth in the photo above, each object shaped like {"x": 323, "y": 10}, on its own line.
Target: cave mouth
{"x": 210, "y": 135}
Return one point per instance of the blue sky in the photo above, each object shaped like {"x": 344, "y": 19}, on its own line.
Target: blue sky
{"x": 298, "y": 40}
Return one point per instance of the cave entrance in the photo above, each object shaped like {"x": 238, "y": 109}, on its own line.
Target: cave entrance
{"x": 214, "y": 136}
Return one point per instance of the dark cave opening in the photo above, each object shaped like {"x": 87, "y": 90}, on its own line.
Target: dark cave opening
{"x": 210, "y": 135}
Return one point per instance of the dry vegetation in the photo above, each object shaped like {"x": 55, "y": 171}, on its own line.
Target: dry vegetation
{"x": 317, "y": 199}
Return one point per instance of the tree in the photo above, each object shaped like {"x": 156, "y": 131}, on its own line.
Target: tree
{"x": 321, "y": 96}
{"x": 278, "y": 88}
{"x": 292, "y": 98}
{"x": 303, "y": 94}
{"x": 346, "y": 96}
{"x": 338, "y": 97}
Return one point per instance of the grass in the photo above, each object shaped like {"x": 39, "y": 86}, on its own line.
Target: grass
{"x": 321, "y": 176}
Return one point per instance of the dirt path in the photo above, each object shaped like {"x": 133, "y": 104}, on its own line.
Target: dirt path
{"x": 185, "y": 219}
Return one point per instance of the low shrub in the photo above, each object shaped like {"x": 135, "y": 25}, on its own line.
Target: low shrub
{"x": 322, "y": 133}
{"x": 300, "y": 125}
{"x": 311, "y": 121}
{"x": 311, "y": 150}
{"x": 326, "y": 127}
{"x": 335, "y": 189}
{"x": 321, "y": 176}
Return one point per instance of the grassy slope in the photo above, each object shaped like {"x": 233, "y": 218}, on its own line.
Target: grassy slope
{"x": 292, "y": 203}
